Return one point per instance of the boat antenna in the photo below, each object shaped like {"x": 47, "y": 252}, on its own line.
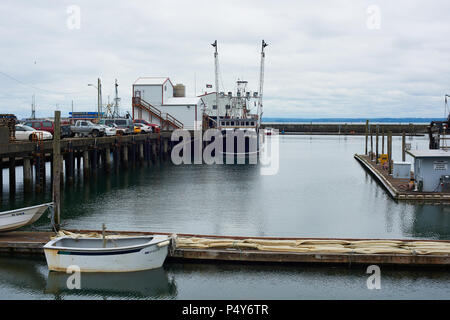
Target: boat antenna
{"x": 261, "y": 82}
{"x": 116, "y": 102}
{"x": 216, "y": 67}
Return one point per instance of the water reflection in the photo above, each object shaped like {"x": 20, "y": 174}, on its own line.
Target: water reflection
{"x": 143, "y": 284}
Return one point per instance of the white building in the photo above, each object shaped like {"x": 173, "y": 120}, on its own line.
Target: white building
{"x": 157, "y": 100}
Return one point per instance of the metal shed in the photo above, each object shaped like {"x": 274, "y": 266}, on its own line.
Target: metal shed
{"x": 430, "y": 169}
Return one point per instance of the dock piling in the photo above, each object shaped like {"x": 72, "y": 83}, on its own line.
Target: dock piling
{"x": 376, "y": 145}
{"x": 27, "y": 172}
{"x": 86, "y": 163}
{"x": 57, "y": 170}
{"x": 390, "y": 152}
{"x": 403, "y": 146}
{"x": 367, "y": 131}
{"x": 12, "y": 175}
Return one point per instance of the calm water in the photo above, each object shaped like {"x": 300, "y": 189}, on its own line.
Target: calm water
{"x": 319, "y": 191}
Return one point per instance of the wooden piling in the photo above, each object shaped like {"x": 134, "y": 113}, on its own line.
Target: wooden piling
{"x": 382, "y": 140}
{"x": 1, "y": 177}
{"x": 86, "y": 165}
{"x": 141, "y": 153}
{"x": 390, "y": 152}
{"x": 57, "y": 170}
{"x": 107, "y": 159}
{"x": 376, "y": 145}
{"x": 367, "y": 131}
{"x": 12, "y": 175}
{"x": 125, "y": 156}
{"x": 27, "y": 175}
{"x": 371, "y": 144}
{"x": 403, "y": 147}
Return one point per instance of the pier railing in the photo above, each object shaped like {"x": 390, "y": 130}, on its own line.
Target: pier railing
{"x": 165, "y": 119}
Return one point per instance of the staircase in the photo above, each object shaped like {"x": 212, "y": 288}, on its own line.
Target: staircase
{"x": 167, "y": 121}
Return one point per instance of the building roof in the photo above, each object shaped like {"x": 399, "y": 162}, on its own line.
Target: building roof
{"x": 437, "y": 153}
{"x": 151, "y": 80}
{"x": 181, "y": 101}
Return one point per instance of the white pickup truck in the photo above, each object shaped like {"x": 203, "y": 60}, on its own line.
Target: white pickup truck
{"x": 84, "y": 128}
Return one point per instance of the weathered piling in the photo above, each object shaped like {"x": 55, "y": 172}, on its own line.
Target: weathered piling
{"x": 371, "y": 144}
{"x": 27, "y": 175}
{"x": 367, "y": 131}
{"x": 86, "y": 163}
{"x": 390, "y": 152}
{"x": 56, "y": 190}
{"x": 1, "y": 177}
{"x": 382, "y": 141}
{"x": 12, "y": 175}
{"x": 376, "y": 145}
{"x": 125, "y": 157}
{"x": 107, "y": 164}
{"x": 403, "y": 146}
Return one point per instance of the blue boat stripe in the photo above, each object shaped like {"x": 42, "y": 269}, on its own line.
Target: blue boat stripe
{"x": 86, "y": 253}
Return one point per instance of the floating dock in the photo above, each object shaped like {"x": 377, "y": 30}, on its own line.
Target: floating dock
{"x": 398, "y": 188}
{"x": 31, "y": 242}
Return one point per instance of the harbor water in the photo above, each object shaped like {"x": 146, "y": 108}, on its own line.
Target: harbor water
{"x": 319, "y": 190}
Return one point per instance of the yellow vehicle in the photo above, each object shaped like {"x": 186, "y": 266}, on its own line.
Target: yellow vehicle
{"x": 383, "y": 158}
{"x": 137, "y": 129}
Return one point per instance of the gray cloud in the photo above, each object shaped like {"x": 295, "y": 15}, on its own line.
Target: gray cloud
{"x": 322, "y": 60}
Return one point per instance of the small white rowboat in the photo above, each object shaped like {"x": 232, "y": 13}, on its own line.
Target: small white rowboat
{"x": 14, "y": 219}
{"x": 113, "y": 255}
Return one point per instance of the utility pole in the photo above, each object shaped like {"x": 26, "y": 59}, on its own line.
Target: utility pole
{"x": 216, "y": 68}
{"x": 116, "y": 101}
{"x": 33, "y": 107}
{"x": 99, "y": 98}
{"x": 261, "y": 82}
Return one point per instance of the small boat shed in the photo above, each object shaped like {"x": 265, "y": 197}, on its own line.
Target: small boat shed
{"x": 431, "y": 169}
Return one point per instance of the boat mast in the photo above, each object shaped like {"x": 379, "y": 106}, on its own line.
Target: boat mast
{"x": 261, "y": 82}
{"x": 216, "y": 67}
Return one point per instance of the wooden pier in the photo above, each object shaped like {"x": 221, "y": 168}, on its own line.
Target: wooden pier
{"x": 86, "y": 154}
{"x": 29, "y": 242}
{"x": 398, "y": 188}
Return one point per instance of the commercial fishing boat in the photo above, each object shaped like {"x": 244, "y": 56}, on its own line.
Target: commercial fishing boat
{"x": 234, "y": 114}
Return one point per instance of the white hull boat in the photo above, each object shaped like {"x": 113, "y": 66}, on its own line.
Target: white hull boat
{"x": 109, "y": 255}
{"x": 14, "y": 219}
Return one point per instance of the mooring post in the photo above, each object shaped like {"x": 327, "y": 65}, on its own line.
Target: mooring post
{"x": 107, "y": 159}
{"x": 403, "y": 146}
{"x": 12, "y": 175}
{"x": 376, "y": 144}
{"x": 141, "y": 153}
{"x": 27, "y": 183}
{"x": 57, "y": 170}
{"x": 125, "y": 156}
{"x": 390, "y": 152}
{"x": 367, "y": 131}
{"x": 371, "y": 144}
{"x": 70, "y": 165}
{"x": 86, "y": 163}
{"x": 1, "y": 177}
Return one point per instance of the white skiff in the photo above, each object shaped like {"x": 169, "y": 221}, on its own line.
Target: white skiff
{"x": 113, "y": 255}
{"x": 14, "y": 219}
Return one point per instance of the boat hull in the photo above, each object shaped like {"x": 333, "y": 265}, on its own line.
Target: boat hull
{"x": 14, "y": 219}
{"x": 126, "y": 259}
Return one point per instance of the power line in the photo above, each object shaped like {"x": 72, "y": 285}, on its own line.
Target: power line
{"x": 36, "y": 88}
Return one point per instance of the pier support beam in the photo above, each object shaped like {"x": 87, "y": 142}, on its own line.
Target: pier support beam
{"x": 1, "y": 177}
{"x": 27, "y": 175}
{"x": 12, "y": 175}
{"x": 371, "y": 144}
{"x": 86, "y": 165}
{"x": 141, "y": 153}
{"x": 376, "y": 145}
{"x": 125, "y": 156}
{"x": 107, "y": 159}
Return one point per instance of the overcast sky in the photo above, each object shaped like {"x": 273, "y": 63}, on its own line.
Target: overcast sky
{"x": 324, "y": 59}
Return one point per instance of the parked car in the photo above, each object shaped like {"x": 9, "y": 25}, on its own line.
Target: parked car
{"x": 124, "y": 125}
{"x": 144, "y": 128}
{"x": 43, "y": 125}
{"x": 83, "y": 128}
{"x": 26, "y": 133}
{"x": 156, "y": 128}
{"x": 110, "y": 130}
{"x": 65, "y": 131}
{"x": 136, "y": 129}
